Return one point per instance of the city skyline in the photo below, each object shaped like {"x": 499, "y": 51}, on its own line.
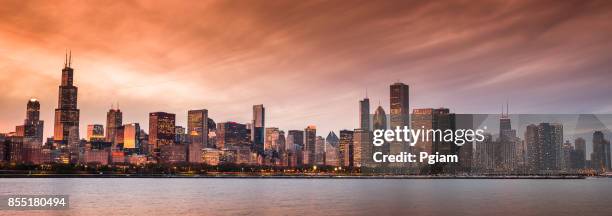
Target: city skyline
{"x": 257, "y": 59}
{"x": 235, "y": 143}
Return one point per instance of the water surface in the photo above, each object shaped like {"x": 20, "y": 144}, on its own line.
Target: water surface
{"x": 212, "y": 196}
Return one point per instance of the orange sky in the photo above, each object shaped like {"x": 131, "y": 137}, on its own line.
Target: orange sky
{"x": 308, "y": 62}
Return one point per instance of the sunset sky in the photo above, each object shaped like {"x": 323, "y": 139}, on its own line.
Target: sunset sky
{"x": 308, "y": 62}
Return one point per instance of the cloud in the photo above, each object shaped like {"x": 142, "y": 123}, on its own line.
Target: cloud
{"x": 307, "y": 62}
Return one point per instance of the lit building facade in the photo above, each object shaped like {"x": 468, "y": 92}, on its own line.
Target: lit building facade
{"x": 161, "y": 129}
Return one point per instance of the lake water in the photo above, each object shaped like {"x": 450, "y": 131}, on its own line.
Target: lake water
{"x": 213, "y": 196}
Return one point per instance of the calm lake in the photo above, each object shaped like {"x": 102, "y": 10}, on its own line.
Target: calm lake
{"x": 213, "y": 196}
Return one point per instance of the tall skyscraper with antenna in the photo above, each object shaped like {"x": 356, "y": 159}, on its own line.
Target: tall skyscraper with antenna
{"x": 364, "y": 113}
{"x": 66, "y": 122}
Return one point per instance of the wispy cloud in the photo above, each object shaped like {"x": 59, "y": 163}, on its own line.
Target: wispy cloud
{"x": 308, "y": 62}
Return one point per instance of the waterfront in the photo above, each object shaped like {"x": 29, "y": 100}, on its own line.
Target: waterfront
{"x": 229, "y": 196}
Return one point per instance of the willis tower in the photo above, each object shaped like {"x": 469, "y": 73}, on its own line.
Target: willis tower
{"x": 66, "y": 127}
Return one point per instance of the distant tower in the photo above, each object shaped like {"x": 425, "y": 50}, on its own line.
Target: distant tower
{"x": 33, "y": 126}
{"x": 505, "y": 152}
{"x": 67, "y": 113}
{"x": 380, "y": 123}
{"x": 258, "y": 127}
{"x": 600, "y": 157}
{"x": 310, "y": 141}
{"x": 197, "y": 130}
{"x": 364, "y": 113}
{"x": 380, "y": 119}
{"x": 114, "y": 121}
{"x": 346, "y": 148}
{"x": 399, "y": 112}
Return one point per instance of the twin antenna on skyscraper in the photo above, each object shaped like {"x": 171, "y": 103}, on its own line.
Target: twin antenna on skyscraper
{"x": 68, "y": 60}
{"x": 507, "y": 110}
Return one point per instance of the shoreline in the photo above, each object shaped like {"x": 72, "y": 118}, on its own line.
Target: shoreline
{"x": 284, "y": 176}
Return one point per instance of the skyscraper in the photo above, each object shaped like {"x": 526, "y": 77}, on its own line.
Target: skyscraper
{"x": 295, "y": 145}
{"x": 600, "y": 158}
{"x": 197, "y": 127}
{"x": 346, "y": 148}
{"x": 380, "y": 119}
{"x": 544, "y": 143}
{"x": 258, "y": 127}
{"x": 114, "y": 120}
{"x": 364, "y": 113}
{"x": 231, "y": 134}
{"x": 161, "y": 129}
{"x": 67, "y": 113}
{"x": 380, "y": 123}
{"x": 506, "y": 151}
{"x": 362, "y": 147}
{"x": 131, "y": 137}
{"x": 310, "y": 141}
{"x": 399, "y": 113}
{"x": 33, "y": 126}
{"x": 320, "y": 151}
{"x": 197, "y": 130}
{"x": 579, "y": 161}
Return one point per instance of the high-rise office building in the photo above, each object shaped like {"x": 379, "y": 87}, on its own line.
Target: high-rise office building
{"x": 197, "y": 130}
{"x": 331, "y": 155}
{"x": 566, "y": 152}
{"x": 231, "y": 134}
{"x": 544, "y": 143}
{"x": 95, "y": 132}
{"x": 399, "y": 113}
{"x": 379, "y": 123}
{"x": 362, "y": 147}
{"x": 600, "y": 158}
{"x": 114, "y": 120}
{"x": 26, "y": 144}
{"x": 506, "y": 156}
{"x": 131, "y": 137}
{"x": 320, "y": 150}
{"x": 380, "y": 119}
{"x": 364, "y": 113}
{"x": 161, "y": 129}
{"x": 67, "y": 113}
{"x": 33, "y": 127}
{"x": 258, "y": 127}
{"x": 197, "y": 127}
{"x": 295, "y": 145}
{"x": 310, "y": 142}
{"x": 345, "y": 150}
{"x": 579, "y": 160}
